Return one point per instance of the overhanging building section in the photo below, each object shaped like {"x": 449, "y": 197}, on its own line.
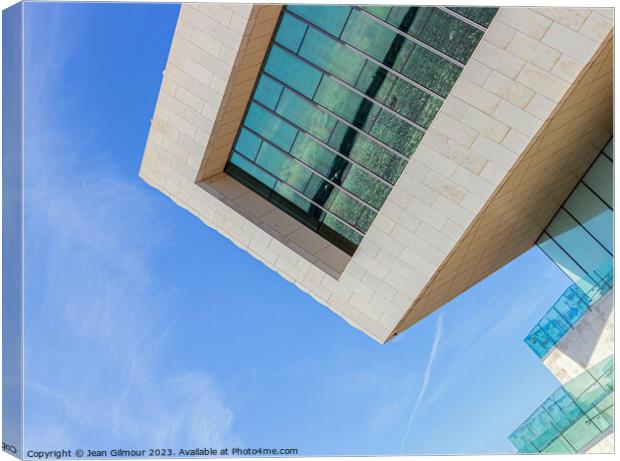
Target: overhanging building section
{"x": 509, "y": 138}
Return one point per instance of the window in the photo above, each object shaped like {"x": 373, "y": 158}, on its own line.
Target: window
{"x": 342, "y": 102}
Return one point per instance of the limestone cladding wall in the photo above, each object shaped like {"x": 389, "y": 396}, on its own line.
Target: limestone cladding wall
{"x": 589, "y": 342}
{"x": 520, "y": 71}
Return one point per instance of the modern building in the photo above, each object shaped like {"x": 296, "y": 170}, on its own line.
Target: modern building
{"x": 383, "y": 159}
{"x": 575, "y": 337}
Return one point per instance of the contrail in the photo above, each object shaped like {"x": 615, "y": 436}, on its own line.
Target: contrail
{"x": 427, "y": 375}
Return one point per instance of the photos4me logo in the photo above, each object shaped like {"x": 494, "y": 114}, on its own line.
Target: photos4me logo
{"x": 9, "y": 448}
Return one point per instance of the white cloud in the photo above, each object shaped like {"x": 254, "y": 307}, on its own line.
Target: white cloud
{"x": 425, "y": 380}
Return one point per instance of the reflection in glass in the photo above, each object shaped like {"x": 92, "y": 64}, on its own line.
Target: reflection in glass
{"x": 342, "y": 102}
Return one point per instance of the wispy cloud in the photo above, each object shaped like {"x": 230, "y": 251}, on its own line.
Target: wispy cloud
{"x": 97, "y": 311}
{"x": 425, "y": 379}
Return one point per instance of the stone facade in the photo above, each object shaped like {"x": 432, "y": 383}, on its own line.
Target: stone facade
{"x": 585, "y": 345}
{"x": 462, "y": 207}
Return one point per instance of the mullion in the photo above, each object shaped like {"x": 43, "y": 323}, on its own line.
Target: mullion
{"x": 461, "y": 18}
{"x": 451, "y": 46}
{"x": 338, "y": 117}
{"x": 296, "y": 192}
{"x": 309, "y": 167}
{"x": 410, "y": 37}
{"x": 394, "y": 72}
{"x": 351, "y": 88}
{"x": 322, "y": 143}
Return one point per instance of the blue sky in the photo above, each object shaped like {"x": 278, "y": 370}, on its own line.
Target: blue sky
{"x": 145, "y": 327}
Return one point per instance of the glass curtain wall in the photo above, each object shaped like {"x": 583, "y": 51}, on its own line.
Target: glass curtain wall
{"x": 342, "y": 101}
{"x": 573, "y": 417}
{"x": 579, "y": 239}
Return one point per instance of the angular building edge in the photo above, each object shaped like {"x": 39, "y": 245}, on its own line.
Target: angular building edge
{"x": 501, "y": 103}
{"x": 12, "y": 230}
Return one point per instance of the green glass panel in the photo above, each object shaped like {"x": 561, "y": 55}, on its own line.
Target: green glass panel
{"x": 253, "y": 170}
{"x": 312, "y": 153}
{"x": 437, "y": 29}
{"x": 291, "y": 32}
{"x": 582, "y": 432}
{"x": 479, "y": 15}
{"x": 376, "y": 40}
{"x": 343, "y": 206}
{"x": 366, "y": 219}
{"x": 270, "y": 126}
{"x": 559, "y": 446}
{"x": 604, "y": 371}
{"x": 305, "y": 115}
{"x": 430, "y": 109}
{"x": 293, "y": 197}
{"x": 396, "y": 133}
{"x": 292, "y": 71}
{"x": 367, "y": 153}
{"x": 431, "y": 71}
{"x": 342, "y": 229}
{"x": 332, "y": 56}
{"x": 364, "y": 186}
{"x": 329, "y": 18}
{"x": 283, "y": 167}
{"x": 379, "y": 11}
{"x": 298, "y": 207}
{"x": 345, "y": 103}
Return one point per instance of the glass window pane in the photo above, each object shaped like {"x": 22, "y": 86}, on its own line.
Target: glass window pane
{"x": 248, "y": 144}
{"x": 305, "y": 115}
{"x": 577, "y": 242}
{"x": 581, "y": 433}
{"x": 568, "y": 266}
{"x": 253, "y": 170}
{"x": 283, "y": 167}
{"x": 329, "y": 18}
{"x": 437, "y": 29}
{"x": 431, "y": 70}
{"x": 593, "y": 214}
{"x": 290, "y": 32}
{"x": 292, "y": 71}
{"x": 312, "y": 153}
{"x": 366, "y": 187}
{"x": 379, "y": 11}
{"x": 270, "y": 126}
{"x": 600, "y": 178}
{"x": 396, "y": 133}
{"x": 345, "y": 103}
{"x": 554, "y": 325}
{"x": 332, "y": 56}
{"x": 479, "y": 15}
{"x": 268, "y": 92}
{"x": 572, "y": 305}
{"x": 367, "y": 153}
{"x": 377, "y": 41}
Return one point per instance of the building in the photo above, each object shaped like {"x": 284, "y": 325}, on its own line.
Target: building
{"x": 383, "y": 159}
{"x": 575, "y": 337}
